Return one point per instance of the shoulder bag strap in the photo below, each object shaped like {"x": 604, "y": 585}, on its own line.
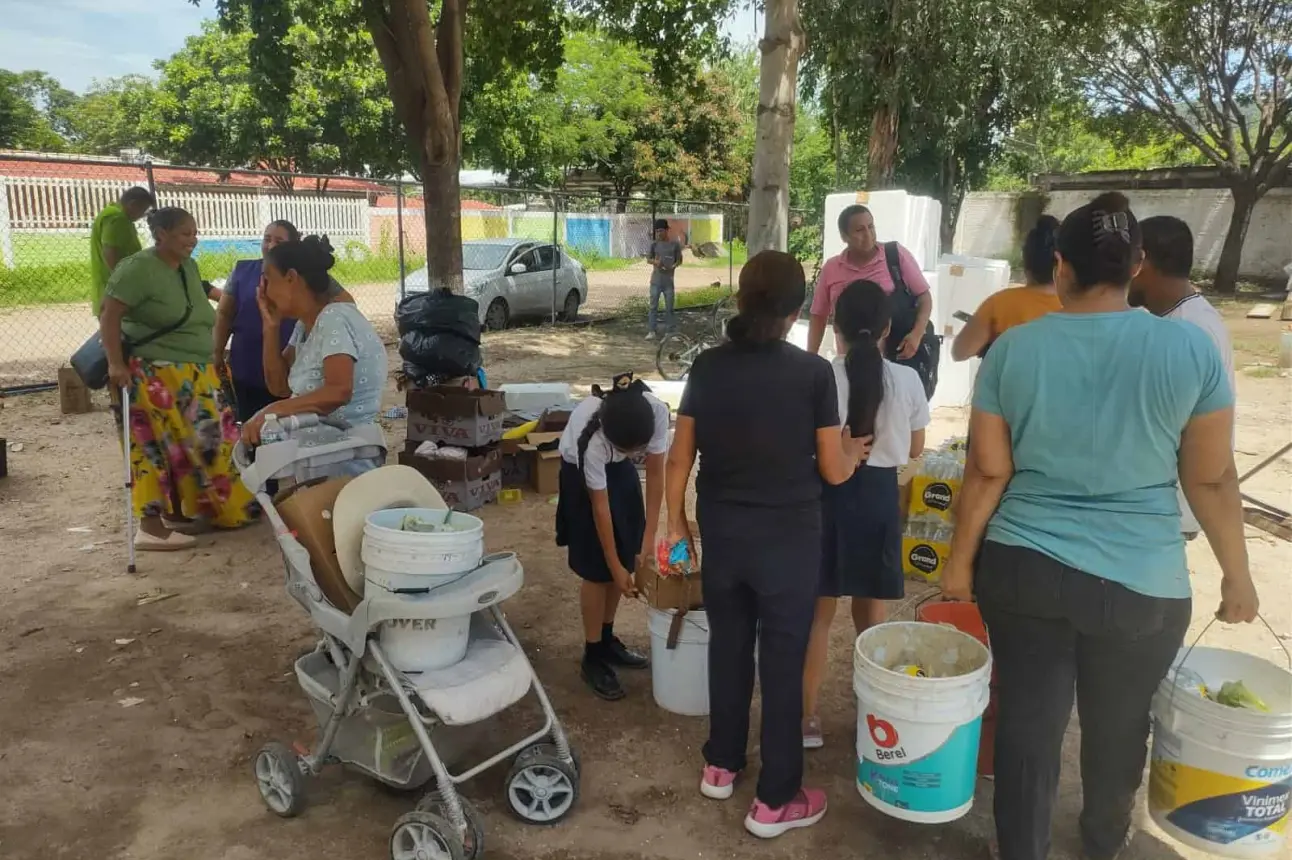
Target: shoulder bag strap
{"x": 165, "y": 330}
{"x": 894, "y": 261}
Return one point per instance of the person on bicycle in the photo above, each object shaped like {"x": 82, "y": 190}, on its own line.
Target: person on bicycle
{"x": 665, "y": 256}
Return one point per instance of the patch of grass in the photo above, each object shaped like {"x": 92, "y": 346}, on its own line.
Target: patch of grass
{"x": 734, "y": 254}
{"x": 66, "y": 282}
{"x": 1258, "y": 346}
{"x": 1263, "y": 371}
{"x": 595, "y": 262}
{"x": 704, "y": 298}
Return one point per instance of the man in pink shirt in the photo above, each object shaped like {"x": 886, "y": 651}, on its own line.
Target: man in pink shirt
{"x": 863, "y": 259}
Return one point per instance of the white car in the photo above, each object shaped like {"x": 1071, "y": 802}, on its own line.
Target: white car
{"x": 516, "y": 278}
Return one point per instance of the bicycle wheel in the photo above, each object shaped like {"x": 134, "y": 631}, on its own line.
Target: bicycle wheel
{"x": 723, "y": 311}
{"x": 675, "y": 354}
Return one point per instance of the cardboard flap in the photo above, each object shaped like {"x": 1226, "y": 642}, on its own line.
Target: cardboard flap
{"x": 307, "y": 511}
{"x": 675, "y": 629}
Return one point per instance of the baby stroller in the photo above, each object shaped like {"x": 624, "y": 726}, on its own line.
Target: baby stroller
{"x": 374, "y": 715}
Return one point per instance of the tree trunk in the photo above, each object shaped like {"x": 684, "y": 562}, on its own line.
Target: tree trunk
{"x": 769, "y": 196}
{"x": 1231, "y": 253}
{"x": 423, "y": 65}
{"x": 882, "y": 154}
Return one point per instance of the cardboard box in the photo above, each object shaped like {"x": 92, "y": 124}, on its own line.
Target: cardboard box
{"x": 545, "y": 475}
{"x": 73, "y": 396}
{"x": 307, "y": 511}
{"x": 455, "y": 416}
{"x": 465, "y": 484}
{"x": 670, "y": 592}
{"x": 517, "y": 462}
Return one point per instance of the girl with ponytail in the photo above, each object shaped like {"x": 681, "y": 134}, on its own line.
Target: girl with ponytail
{"x": 601, "y": 517}
{"x": 862, "y": 534}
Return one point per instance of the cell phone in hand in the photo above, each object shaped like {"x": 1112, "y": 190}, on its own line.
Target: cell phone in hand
{"x": 962, "y": 316}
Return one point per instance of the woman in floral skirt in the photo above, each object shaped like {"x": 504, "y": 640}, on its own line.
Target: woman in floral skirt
{"x": 156, "y": 327}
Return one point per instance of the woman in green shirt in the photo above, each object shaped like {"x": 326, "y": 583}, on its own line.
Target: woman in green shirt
{"x": 156, "y": 327}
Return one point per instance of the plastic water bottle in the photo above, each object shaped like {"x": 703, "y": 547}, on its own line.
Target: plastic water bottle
{"x": 272, "y": 431}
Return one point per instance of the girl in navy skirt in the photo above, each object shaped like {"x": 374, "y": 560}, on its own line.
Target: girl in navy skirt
{"x": 601, "y": 517}
{"x": 862, "y": 533}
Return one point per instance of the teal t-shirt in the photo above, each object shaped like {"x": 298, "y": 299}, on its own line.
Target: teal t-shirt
{"x": 154, "y": 294}
{"x": 1096, "y": 404}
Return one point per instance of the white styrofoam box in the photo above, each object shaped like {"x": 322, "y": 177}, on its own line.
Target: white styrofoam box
{"x": 668, "y": 391}
{"x": 799, "y": 337}
{"x": 531, "y": 398}
{"x": 963, "y": 284}
{"x": 955, "y": 380}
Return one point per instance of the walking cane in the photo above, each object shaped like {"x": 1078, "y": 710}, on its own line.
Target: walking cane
{"x": 129, "y": 482}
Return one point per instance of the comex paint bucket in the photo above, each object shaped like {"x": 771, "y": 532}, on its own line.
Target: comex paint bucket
{"x": 1221, "y": 777}
{"x": 917, "y": 736}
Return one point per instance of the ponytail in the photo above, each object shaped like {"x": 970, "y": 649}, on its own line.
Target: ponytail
{"x": 861, "y": 315}
{"x": 625, "y": 417}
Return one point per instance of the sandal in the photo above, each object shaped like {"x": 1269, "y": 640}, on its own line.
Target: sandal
{"x": 173, "y": 542}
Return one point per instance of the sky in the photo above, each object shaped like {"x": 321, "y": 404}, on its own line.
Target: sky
{"x": 77, "y": 41}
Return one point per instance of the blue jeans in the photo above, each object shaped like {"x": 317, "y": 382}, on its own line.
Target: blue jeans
{"x": 656, "y": 290}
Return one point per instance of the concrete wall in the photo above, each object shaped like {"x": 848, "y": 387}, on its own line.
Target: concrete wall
{"x": 987, "y": 224}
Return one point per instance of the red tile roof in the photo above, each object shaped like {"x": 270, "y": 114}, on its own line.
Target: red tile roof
{"x": 164, "y": 175}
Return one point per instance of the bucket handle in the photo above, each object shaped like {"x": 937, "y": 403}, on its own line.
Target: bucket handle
{"x": 1175, "y": 677}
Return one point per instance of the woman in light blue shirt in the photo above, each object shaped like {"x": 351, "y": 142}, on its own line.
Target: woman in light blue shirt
{"x": 334, "y": 363}
{"x": 1068, "y": 531}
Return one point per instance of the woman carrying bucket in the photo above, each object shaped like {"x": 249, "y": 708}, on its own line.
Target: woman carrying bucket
{"x": 1068, "y": 528}
{"x": 763, "y": 416}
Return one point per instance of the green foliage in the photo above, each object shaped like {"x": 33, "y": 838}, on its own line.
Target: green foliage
{"x": 331, "y": 115}
{"x": 33, "y": 111}
{"x": 606, "y": 111}
{"x": 1068, "y": 137}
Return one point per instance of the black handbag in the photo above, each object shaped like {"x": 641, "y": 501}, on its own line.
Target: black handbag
{"x": 90, "y": 361}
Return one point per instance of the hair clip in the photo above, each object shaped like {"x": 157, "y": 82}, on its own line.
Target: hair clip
{"x": 865, "y": 332}
{"x": 1112, "y": 223}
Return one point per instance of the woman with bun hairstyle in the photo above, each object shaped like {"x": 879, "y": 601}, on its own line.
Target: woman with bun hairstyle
{"x": 1017, "y": 305}
{"x": 156, "y": 328}
{"x": 1068, "y": 529}
{"x": 763, "y": 417}
{"x": 334, "y": 363}
{"x": 238, "y": 316}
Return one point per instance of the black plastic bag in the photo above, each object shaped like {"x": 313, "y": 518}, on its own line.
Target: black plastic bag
{"x": 439, "y": 312}
{"x": 438, "y": 354}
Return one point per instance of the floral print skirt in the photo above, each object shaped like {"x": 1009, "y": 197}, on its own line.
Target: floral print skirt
{"x": 182, "y": 433}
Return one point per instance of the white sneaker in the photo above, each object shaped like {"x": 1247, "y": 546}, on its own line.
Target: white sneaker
{"x": 650, "y": 335}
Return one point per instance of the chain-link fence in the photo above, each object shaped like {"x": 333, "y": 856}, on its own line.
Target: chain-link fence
{"x": 532, "y": 254}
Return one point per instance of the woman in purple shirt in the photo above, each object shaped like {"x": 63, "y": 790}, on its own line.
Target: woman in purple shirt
{"x": 239, "y": 315}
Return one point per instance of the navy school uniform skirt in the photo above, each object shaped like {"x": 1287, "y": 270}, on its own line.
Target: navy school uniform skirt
{"x": 577, "y": 530}
{"x": 861, "y": 545}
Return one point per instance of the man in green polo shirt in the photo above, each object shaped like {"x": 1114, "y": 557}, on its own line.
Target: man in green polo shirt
{"x": 114, "y": 237}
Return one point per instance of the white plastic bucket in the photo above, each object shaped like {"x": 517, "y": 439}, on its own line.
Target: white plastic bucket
{"x": 395, "y": 559}
{"x": 917, "y": 738}
{"x": 680, "y": 676}
{"x": 1220, "y": 777}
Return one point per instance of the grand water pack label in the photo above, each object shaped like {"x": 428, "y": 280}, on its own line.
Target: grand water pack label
{"x": 922, "y": 768}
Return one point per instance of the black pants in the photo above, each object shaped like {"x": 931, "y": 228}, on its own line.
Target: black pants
{"x": 761, "y": 570}
{"x": 1056, "y": 631}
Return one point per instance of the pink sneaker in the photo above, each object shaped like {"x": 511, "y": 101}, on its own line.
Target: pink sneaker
{"x": 717, "y": 783}
{"x": 803, "y": 811}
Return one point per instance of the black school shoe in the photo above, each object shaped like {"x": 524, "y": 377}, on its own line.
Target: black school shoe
{"x": 619, "y": 654}
{"x": 601, "y": 679}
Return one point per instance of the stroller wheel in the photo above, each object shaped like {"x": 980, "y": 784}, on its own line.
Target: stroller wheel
{"x": 549, "y": 750}
{"x": 422, "y": 835}
{"x": 281, "y": 782}
{"x": 473, "y": 842}
{"x": 542, "y": 789}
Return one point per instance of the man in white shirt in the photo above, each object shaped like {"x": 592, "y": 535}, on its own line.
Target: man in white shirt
{"x": 1163, "y": 287}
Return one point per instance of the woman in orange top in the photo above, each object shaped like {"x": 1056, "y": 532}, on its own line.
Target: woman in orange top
{"x": 1017, "y": 305}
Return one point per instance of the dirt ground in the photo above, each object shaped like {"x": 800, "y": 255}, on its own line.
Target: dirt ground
{"x": 127, "y": 727}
